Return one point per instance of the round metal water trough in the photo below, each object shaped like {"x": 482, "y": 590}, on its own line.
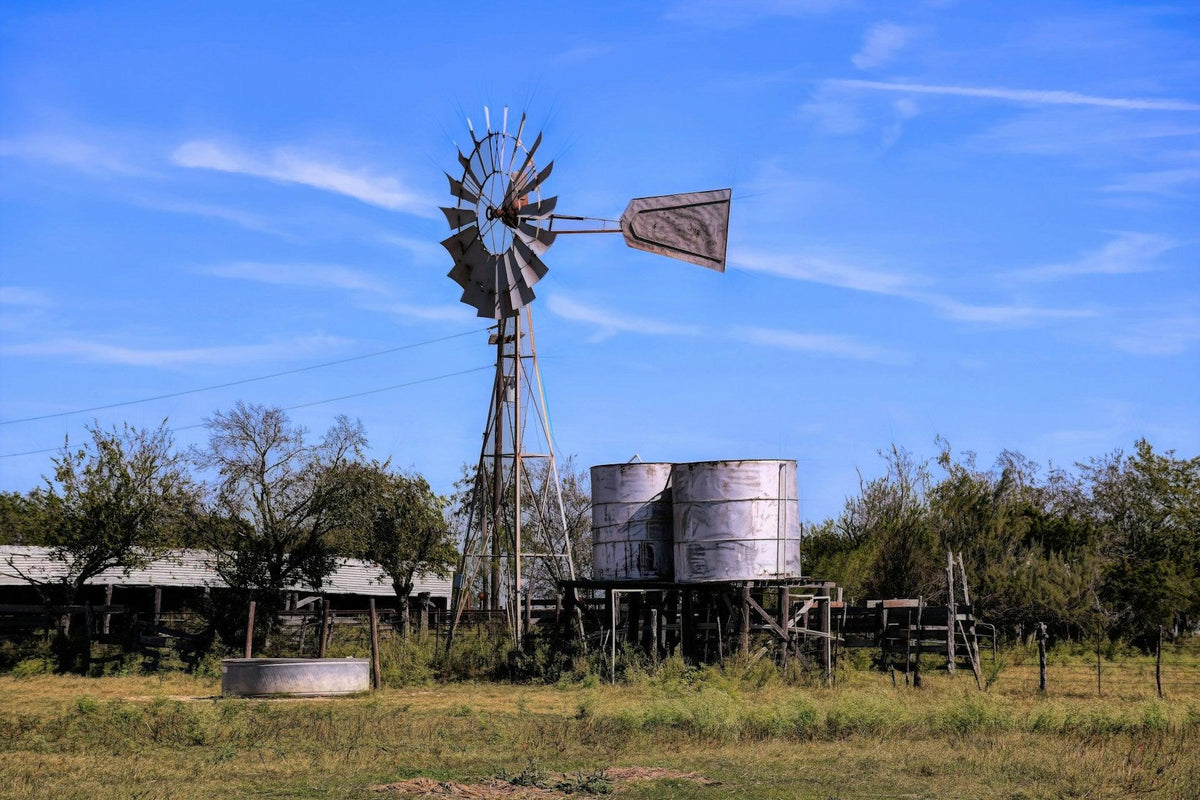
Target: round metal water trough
{"x": 299, "y": 677}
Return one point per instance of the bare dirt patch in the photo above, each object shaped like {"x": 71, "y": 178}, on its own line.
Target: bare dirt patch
{"x": 500, "y": 789}
{"x": 655, "y": 774}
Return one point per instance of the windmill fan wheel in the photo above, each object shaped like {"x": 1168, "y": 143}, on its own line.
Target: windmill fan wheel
{"x": 498, "y": 222}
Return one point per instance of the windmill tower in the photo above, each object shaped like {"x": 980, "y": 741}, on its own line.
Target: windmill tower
{"x": 502, "y": 227}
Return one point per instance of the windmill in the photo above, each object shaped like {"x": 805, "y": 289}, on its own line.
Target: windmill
{"x": 502, "y": 227}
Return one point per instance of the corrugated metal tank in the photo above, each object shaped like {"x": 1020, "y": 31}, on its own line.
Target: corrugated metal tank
{"x": 631, "y": 522}
{"x": 735, "y": 520}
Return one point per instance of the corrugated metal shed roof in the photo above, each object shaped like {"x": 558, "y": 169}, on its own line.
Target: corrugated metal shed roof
{"x": 194, "y": 569}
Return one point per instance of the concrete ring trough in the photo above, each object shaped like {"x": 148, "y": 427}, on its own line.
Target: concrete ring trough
{"x": 298, "y": 677}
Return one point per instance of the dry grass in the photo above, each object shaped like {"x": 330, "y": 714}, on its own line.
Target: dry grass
{"x": 754, "y": 736}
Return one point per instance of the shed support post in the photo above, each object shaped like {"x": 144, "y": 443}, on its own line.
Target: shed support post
{"x": 108, "y": 595}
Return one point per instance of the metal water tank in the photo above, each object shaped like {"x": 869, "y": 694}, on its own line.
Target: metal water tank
{"x": 735, "y": 520}
{"x": 631, "y": 522}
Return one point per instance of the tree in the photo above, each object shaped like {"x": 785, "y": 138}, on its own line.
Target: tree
{"x": 890, "y": 519}
{"x": 1147, "y": 507}
{"x": 276, "y": 501}
{"x": 109, "y": 505}
{"x": 21, "y": 518}
{"x": 406, "y": 531}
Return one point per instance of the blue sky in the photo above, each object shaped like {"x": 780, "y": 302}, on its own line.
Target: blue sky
{"x": 973, "y": 220}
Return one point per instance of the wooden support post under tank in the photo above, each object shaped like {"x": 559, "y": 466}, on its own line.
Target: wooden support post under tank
{"x": 614, "y": 611}
{"x": 744, "y": 644}
{"x": 686, "y": 628}
{"x": 633, "y": 625}
{"x": 652, "y": 635}
{"x": 785, "y": 621}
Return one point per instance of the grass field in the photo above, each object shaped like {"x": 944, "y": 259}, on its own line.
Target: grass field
{"x": 742, "y": 729}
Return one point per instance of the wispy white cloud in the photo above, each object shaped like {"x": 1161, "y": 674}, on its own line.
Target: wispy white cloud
{"x": 1027, "y": 96}
{"x": 1001, "y": 314}
{"x": 1083, "y": 133}
{"x": 579, "y": 53}
{"x": 732, "y": 13}
{"x": 328, "y": 276}
{"x": 833, "y": 272}
{"x": 286, "y": 165}
{"x": 820, "y": 269}
{"x": 1167, "y": 336}
{"x": 609, "y": 323}
{"x": 834, "y": 112}
{"x": 97, "y": 352}
{"x": 64, "y": 150}
{"x": 420, "y": 249}
{"x": 235, "y": 216}
{"x": 880, "y": 44}
{"x": 1165, "y": 183}
{"x": 23, "y": 297}
{"x": 433, "y": 313}
{"x": 1127, "y": 252}
{"x": 367, "y": 291}
{"x": 824, "y": 344}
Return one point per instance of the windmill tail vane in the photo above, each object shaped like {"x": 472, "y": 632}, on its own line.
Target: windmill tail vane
{"x": 502, "y": 225}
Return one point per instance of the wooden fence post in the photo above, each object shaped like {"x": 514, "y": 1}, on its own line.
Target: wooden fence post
{"x": 324, "y": 643}
{"x": 376, "y": 674}
{"x": 1099, "y": 693}
{"x": 1041, "y": 643}
{"x": 951, "y": 615}
{"x": 917, "y": 663}
{"x": 827, "y": 642}
{"x": 250, "y": 630}
{"x": 87, "y": 633}
{"x": 1158, "y": 662}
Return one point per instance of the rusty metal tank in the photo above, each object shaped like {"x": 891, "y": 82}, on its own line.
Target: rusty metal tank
{"x": 735, "y": 520}
{"x": 631, "y": 521}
